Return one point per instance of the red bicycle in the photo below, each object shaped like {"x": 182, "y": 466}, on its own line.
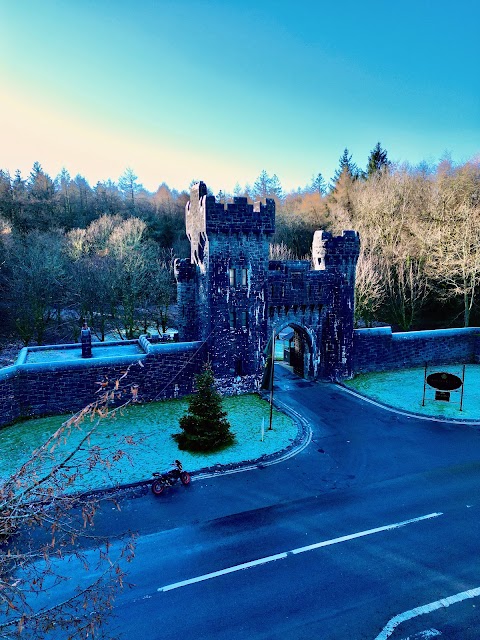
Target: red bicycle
{"x": 162, "y": 480}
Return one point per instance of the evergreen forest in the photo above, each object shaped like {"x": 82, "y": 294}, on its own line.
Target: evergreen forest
{"x": 105, "y": 253}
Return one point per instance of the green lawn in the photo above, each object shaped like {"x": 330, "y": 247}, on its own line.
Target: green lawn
{"x": 403, "y": 389}
{"x": 151, "y": 426}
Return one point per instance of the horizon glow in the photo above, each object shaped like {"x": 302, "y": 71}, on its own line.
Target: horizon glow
{"x": 204, "y": 90}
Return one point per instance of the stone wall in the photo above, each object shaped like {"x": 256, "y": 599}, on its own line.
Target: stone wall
{"x": 28, "y": 390}
{"x": 380, "y": 350}
{"x": 9, "y": 407}
{"x": 235, "y": 304}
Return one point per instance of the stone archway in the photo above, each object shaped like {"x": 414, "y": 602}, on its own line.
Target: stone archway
{"x": 299, "y": 354}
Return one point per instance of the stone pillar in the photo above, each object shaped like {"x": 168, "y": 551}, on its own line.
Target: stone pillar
{"x": 86, "y": 340}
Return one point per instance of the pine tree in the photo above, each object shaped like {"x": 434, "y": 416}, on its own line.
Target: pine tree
{"x": 377, "y": 160}
{"x": 318, "y": 185}
{"x": 348, "y": 167}
{"x": 205, "y": 426}
{"x": 237, "y": 190}
{"x": 276, "y": 190}
{"x": 129, "y": 186}
{"x": 262, "y": 186}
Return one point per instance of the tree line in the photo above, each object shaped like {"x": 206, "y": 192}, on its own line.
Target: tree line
{"x": 69, "y": 251}
{"x": 419, "y": 264}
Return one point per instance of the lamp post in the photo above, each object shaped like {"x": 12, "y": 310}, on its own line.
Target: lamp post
{"x": 271, "y": 380}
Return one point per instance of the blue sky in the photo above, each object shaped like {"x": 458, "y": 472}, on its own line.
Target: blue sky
{"x": 219, "y": 91}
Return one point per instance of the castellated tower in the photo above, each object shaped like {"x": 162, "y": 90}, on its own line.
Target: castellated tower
{"x": 222, "y": 289}
{"x": 338, "y": 255}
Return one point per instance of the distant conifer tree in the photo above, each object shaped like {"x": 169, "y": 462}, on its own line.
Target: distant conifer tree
{"x": 262, "y": 186}
{"x": 377, "y": 160}
{"x": 318, "y": 185}
{"x": 205, "y": 426}
{"x": 275, "y": 188}
{"x": 348, "y": 167}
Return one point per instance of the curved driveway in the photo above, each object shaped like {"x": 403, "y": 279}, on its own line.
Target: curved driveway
{"x": 376, "y": 518}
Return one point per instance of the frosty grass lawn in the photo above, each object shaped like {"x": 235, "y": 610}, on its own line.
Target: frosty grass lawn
{"x": 151, "y": 426}
{"x": 403, "y": 389}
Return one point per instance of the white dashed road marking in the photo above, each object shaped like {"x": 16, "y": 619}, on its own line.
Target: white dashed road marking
{"x": 282, "y": 556}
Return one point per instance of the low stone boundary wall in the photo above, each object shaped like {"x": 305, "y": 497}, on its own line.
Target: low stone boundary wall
{"x": 379, "y": 349}
{"x": 46, "y": 388}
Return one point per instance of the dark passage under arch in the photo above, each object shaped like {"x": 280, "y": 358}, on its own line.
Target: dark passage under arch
{"x": 297, "y": 352}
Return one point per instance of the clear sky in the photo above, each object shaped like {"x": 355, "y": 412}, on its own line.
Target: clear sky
{"x": 184, "y": 89}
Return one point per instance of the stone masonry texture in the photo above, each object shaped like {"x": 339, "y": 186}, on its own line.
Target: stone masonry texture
{"x": 381, "y": 350}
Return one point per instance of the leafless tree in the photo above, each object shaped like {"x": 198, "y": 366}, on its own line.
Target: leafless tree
{"x": 46, "y": 524}
{"x": 369, "y": 288}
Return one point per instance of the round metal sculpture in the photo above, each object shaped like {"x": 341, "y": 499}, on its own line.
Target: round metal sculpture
{"x": 444, "y": 381}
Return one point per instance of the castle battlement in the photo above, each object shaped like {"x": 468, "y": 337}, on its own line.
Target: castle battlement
{"x": 335, "y": 252}
{"x": 204, "y": 214}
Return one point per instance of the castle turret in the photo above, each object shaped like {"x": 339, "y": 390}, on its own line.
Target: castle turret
{"x": 339, "y": 252}
{"x": 338, "y": 255}
{"x": 229, "y": 258}
{"x": 187, "y": 321}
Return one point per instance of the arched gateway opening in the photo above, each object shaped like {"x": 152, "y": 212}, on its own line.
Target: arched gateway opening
{"x": 294, "y": 348}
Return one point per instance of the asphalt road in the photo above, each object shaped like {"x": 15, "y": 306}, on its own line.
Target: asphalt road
{"x": 360, "y": 534}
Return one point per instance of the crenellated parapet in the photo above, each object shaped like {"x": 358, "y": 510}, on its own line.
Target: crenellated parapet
{"x": 336, "y": 252}
{"x": 240, "y": 217}
{"x": 204, "y": 216}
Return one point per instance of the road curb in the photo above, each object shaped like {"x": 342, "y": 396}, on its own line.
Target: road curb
{"x": 300, "y": 442}
{"x": 408, "y": 414}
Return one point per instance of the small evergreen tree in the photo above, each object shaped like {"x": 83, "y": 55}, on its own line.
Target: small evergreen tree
{"x": 205, "y": 426}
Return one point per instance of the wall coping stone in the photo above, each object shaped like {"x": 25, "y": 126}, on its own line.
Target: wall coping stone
{"x": 373, "y": 331}
{"x": 8, "y": 372}
{"x": 90, "y": 363}
{"x": 174, "y": 347}
{"x": 22, "y": 356}
{"x": 416, "y": 335}
{"x": 435, "y": 333}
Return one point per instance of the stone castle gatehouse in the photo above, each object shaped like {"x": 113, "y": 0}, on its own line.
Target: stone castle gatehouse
{"x": 234, "y": 299}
